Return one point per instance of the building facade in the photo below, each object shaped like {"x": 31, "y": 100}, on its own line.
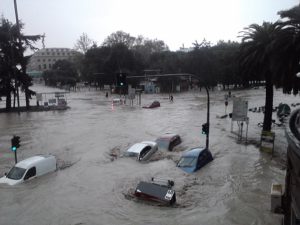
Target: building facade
{"x": 44, "y": 59}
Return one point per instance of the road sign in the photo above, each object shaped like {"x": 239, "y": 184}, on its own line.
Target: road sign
{"x": 240, "y": 110}
{"x": 131, "y": 93}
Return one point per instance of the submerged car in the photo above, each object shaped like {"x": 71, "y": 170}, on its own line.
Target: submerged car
{"x": 30, "y": 168}
{"x": 142, "y": 151}
{"x": 194, "y": 159}
{"x": 117, "y": 101}
{"x": 156, "y": 191}
{"x": 168, "y": 141}
{"x": 152, "y": 105}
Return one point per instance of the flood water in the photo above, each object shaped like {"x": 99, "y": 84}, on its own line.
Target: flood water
{"x": 93, "y": 186}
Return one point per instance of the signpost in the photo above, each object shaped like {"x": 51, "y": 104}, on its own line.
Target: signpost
{"x": 131, "y": 94}
{"x": 239, "y": 114}
{"x": 240, "y": 109}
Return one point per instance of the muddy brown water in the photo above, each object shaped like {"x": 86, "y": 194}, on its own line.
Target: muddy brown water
{"x": 94, "y": 182}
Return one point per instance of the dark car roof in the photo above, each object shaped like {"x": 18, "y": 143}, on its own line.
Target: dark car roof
{"x": 194, "y": 152}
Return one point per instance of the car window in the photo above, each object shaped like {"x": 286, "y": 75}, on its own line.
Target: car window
{"x": 30, "y": 173}
{"x": 178, "y": 140}
{"x": 187, "y": 162}
{"x": 16, "y": 173}
{"x": 172, "y": 144}
{"x": 144, "y": 152}
{"x": 174, "y": 141}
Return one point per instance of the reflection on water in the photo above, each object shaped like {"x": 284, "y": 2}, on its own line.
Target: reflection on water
{"x": 94, "y": 183}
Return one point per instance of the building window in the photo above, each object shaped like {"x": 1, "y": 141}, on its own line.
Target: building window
{"x": 49, "y": 60}
{"x": 45, "y": 66}
{"x": 63, "y": 53}
{"x": 50, "y": 66}
{"x": 58, "y": 53}
{"x": 38, "y": 60}
{"x": 40, "y": 67}
{"x": 43, "y": 60}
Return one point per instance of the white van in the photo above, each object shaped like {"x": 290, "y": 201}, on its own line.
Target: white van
{"x": 30, "y": 168}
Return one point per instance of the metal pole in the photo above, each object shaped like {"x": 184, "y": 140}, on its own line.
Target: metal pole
{"x": 207, "y": 118}
{"x": 16, "y": 159}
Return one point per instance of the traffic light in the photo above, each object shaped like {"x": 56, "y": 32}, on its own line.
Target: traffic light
{"x": 121, "y": 79}
{"x": 205, "y": 128}
{"x": 15, "y": 143}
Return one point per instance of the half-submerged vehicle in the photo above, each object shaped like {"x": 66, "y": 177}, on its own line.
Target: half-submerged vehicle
{"x": 143, "y": 150}
{"x": 30, "y": 168}
{"x": 194, "y": 159}
{"x": 154, "y": 104}
{"x": 168, "y": 141}
{"x": 157, "y": 191}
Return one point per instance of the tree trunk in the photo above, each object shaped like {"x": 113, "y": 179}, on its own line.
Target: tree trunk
{"x": 8, "y": 100}
{"x": 267, "y": 125}
{"x": 27, "y": 96}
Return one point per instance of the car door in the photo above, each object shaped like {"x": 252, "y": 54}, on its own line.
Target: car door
{"x": 31, "y": 173}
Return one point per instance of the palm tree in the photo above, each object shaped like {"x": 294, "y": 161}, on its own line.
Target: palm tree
{"x": 256, "y": 60}
{"x": 286, "y": 62}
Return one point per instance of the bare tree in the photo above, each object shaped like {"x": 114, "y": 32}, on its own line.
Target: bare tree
{"x": 84, "y": 43}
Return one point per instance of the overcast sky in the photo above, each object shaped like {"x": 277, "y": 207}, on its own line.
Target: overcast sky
{"x": 176, "y": 22}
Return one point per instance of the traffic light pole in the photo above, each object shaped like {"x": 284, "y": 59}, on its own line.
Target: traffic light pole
{"x": 16, "y": 159}
{"x": 15, "y": 144}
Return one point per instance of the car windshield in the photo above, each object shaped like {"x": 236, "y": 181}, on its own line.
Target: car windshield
{"x": 144, "y": 152}
{"x": 16, "y": 173}
{"x": 187, "y": 162}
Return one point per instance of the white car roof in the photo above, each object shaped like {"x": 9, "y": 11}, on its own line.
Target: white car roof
{"x": 137, "y": 148}
{"x": 27, "y": 162}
